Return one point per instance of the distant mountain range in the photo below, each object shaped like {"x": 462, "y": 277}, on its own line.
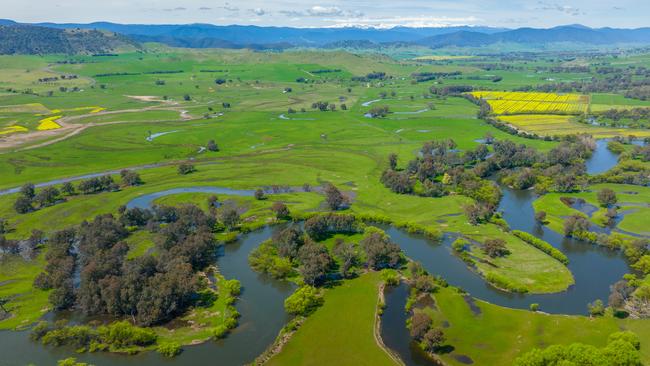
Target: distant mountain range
{"x": 236, "y": 36}
{"x": 243, "y": 35}
{"x": 570, "y": 33}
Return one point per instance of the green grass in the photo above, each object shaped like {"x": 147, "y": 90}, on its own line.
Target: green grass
{"x": 603, "y": 101}
{"x": 26, "y": 303}
{"x": 525, "y": 267}
{"x": 341, "y": 331}
{"x": 140, "y": 243}
{"x": 498, "y": 335}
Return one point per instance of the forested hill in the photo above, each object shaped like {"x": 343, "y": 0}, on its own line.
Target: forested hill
{"x": 33, "y": 40}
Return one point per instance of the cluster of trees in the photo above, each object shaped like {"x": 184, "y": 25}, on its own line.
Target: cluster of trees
{"x": 421, "y": 329}
{"x": 98, "y": 184}
{"x": 59, "y": 270}
{"x": 324, "y": 106}
{"x": 380, "y": 251}
{"x": 622, "y": 350}
{"x": 319, "y": 227}
{"x": 641, "y": 92}
{"x": 564, "y": 69}
{"x": 334, "y": 199}
{"x": 53, "y": 79}
{"x": 324, "y": 71}
{"x": 149, "y": 289}
{"x": 422, "y": 281}
{"x": 29, "y": 199}
{"x": 635, "y": 117}
{"x": 212, "y": 146}
{"x": 562, "y": 169}
{"x": 642, "y": 153}
{"x": 495, "y": 247}
{"x": 440, "y": 169}
{"x": 422, "y": 77}
{"x": 373, "y": 76}
{"x": 281, "y": 210}
{"x": 379, "y": 111}
{"x": 497, "y": 66}
{"x": 576, "y": 224}
{"x": 186, "y": 168}
{"x": 293, "y": 250}
{"x": 628, "y": 171}
{"x": 451, "y": 90}
{"x": 493, "y": 78}
{"x": 631, "y": 295}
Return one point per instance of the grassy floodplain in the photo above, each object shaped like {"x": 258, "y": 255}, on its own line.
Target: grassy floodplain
{"x": 150, "y": 111}
{"x": 348, "y": 315}
{"x": 511, "y": 332}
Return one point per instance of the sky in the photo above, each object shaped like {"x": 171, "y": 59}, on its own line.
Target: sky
{"x": 337, "y": 13}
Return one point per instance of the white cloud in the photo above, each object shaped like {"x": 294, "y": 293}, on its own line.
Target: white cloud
{"x": 567, "y": 9}
{"x": 180, "y": 8}
{"x": 404, "y": 21}
{"x": 229, "y": 7}
{"x": 258, "y": 11}
{"x": 324, "y": 11}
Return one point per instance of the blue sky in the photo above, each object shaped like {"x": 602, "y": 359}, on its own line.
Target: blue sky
{"x": 338, "y": 13}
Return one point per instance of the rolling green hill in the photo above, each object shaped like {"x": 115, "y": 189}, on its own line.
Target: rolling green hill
{"x": 30, "y": 40}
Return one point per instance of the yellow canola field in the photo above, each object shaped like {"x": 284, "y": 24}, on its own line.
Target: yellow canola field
{"x": 11, "y": 129}
{"x": 533, "y": 102}
{"x": 561, "y": 125}
{"x": 48, "y": 124}
{"x": 92, "y": 109}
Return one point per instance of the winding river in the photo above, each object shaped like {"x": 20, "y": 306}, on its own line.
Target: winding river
{"x": 261, "y": 302}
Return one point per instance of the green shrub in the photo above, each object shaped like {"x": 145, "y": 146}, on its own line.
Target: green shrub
{"x": 460, "y": 245}
{"x": 303, "y": 301}
{"x": 124, "y": 334}
{"x": 643, "y": 264}
{"x": 266, "y": 259}
{"x": 390, "y": 277}
{"x": 413, "y": 228}
{"x": 220, "y": 331}
{"x": 78, "y": 336}
{"x": 627, "y": 336}
{"x": 233, "y": 287}
{"x": 534, "y": 307}
{"x": 504, "y": 283}
{"x": 621, "y": 351}
{"x": 71, "y": 361}
{"x": 169, "y": 349}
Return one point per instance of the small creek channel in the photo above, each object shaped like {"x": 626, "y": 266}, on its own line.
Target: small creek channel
{"x": 261, "y": 303}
